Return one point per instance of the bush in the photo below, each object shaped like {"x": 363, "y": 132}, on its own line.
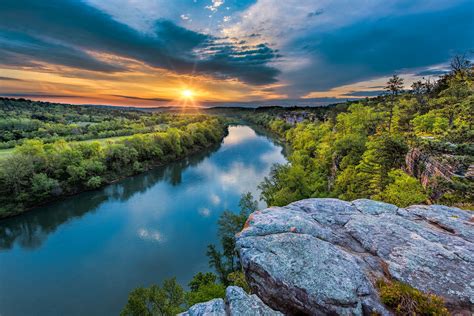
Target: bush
{"x": 237, "y": 278}
{"x": 403, "y": 190}
{"x": 166, "y": 300}
{"x": 94, "y": 182}
{"x": 405, "y": 300}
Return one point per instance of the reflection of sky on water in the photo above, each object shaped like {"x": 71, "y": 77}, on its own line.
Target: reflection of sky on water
{"x": 84, "y": 254}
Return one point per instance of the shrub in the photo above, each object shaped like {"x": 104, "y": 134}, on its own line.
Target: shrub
{"x": 403, "y": 190}
{"x": 405, "y": 300}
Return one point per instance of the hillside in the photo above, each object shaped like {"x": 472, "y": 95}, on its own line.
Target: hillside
{"x": 404, "y": 147}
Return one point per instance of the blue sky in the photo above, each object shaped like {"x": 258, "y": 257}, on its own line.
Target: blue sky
{"x": 224, "y": 50}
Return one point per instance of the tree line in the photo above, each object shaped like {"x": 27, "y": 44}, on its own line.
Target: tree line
{"x": 22, "y": 119}
{"x": 38, "y": 172}
{"x": 360, "y": 152}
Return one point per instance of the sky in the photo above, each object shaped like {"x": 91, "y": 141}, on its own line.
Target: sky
{"x": 198, "y": 52}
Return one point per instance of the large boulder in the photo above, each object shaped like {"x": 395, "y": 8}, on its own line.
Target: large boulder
{"x": 323, "y": 256}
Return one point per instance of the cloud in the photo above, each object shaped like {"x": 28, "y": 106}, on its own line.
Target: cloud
{"x": 141, "y": 99}
{"x": 215, "y": 5}
{"x": 74, "y": 34}
{"x": 204, "y": 212}
{"x": 315, "y": 13}
{"x": 215, "y": 199}
{"x": 362, "y": 93}
{"x": 185, "y": 17}
{"x": 152, "y": 235}
{"x": 10, "y": 79}
{"x": 432, "y": 72}
{"x": 378, "y": 47}
{"x": 323, "y": 51}
{"x": 36, "y": 95}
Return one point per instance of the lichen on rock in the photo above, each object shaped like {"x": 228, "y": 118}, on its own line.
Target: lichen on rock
{"x": 323, "y": 256}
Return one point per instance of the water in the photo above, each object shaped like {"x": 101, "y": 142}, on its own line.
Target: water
{"x": 82, "y": 255}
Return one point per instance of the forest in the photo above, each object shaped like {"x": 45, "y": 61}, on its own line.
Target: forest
{"x": 46, "y": 164}
{"x": 364, "y": 152}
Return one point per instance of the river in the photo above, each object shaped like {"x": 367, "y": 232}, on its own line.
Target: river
{"x": 84, "y": 254}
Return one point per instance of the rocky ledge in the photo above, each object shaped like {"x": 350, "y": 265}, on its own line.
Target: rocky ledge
{"x": 324, "y": 256}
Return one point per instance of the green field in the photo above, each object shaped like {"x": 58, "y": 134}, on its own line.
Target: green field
{"x": 4, "y": 153}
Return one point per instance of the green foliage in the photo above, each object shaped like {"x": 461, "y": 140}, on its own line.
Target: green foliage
{"x": 237, "y": 278}
{"x": 405, "y": 300}
{"x": 42, "y": 186}
{"x": 202, "y": 279}
{"x": 403, "y": 190}
{"x": 204, "y": 288}
{"x": 167, "y": 300}
{"x": 94, "y": 182}
{"x": 229, "y": 225}
{"x": 430, "y": 124}
{"x": 38, "y": 171}
{"x": 350, "y": 155}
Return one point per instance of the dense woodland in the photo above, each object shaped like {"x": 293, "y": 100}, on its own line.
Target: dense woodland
{"x": 361, "y": 152}
{"x": 22, "y": 119}
{"x": 46, "y": 166}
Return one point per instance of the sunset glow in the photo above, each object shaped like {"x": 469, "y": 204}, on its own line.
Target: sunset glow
{"x": 136, "y": 53}
{"x": 187, "y": 94}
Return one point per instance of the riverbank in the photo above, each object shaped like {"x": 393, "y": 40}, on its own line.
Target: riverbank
{"x": 89, "y": 166}
{"x": 153, "y": 225}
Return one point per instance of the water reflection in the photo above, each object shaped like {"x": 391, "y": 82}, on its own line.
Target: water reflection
{"x": 30, "y": 229}
{"x": 139, "y": 231}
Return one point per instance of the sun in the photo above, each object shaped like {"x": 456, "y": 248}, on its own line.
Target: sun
{"x": 187, "y": 94}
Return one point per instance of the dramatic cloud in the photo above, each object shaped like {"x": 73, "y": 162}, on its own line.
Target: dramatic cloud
{"x": 74, "y": 34}
{"x": 140, "y": 99}
{"x": 302, "y": 52}
{"x": 379, "y": 47}
{"x": 323, "y": 48}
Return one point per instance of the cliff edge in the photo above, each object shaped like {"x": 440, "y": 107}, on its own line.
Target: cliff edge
{"x": 324, "y": 256}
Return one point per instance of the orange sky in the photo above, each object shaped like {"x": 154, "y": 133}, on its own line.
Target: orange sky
{"x": 147, "y": 52}
{"x": 140, "y": 85}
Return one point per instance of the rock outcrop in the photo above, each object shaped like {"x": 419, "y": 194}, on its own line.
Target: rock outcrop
{"x": 431, "y": 167}
{"x": 236, "y": 303}
{"x": 324, "y": 256}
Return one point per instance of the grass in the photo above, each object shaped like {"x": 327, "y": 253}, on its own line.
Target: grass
{"x": 5, "y": 153}
{"x": 406, "y": 300}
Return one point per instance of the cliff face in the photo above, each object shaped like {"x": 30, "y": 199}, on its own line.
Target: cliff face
{"x": 428, "y": 168}
{"x": 323, "y": 256}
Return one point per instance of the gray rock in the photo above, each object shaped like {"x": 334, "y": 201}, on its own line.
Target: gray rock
{"x": 237, "y": 303}
{"x": 323, "y": 256}
{"x": 214, "y": 307}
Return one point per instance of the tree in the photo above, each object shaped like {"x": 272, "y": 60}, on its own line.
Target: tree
{"x": 394, "y": 87}
{"x": 202, "y": 279}
{"x": 403, "y": 190}
{"x": 421, "y": 91}
{"x": 42, "y": 186}
{"x": 457, "y": 90}
{"x": 167, "y": 300}
{"x": 229, "y": 224}
{"x": 384, "y": 153}
{"x": 461, "y": 66}
{"x": 204, "y": 288}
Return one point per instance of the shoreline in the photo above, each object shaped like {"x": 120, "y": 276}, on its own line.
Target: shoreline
{"x": 147, "y": 168}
